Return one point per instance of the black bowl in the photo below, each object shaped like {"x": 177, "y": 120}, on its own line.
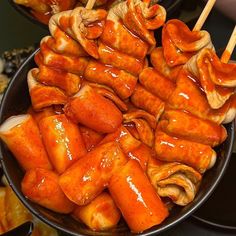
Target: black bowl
{"x": 171, "y": 7}
{"x": 16, "y": 100}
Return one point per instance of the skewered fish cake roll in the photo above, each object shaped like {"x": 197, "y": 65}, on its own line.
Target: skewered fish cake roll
{"x": 126, "y": 40}
{"x": 217, "y": 79}
{"x": 180, "y": 43}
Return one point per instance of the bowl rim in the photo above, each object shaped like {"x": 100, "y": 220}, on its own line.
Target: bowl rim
{"x": 70, "y": 232}
{"x": 24, "y": 11}
{"x": 214, "y": 224}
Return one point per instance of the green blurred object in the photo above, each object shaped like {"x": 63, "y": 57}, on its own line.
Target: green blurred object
{"x": 17, "y": 31}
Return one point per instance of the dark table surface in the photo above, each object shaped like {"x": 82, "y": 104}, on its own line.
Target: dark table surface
{"x": 18, "y": 32}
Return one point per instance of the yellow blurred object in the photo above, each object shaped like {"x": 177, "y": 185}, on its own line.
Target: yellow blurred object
{"x": 13, "y": 213}
{"x": 3, "y": 221}
{"x": 4, "y": 80}
{"x": 41, "y": 229}
{"x": 16, "y": 213}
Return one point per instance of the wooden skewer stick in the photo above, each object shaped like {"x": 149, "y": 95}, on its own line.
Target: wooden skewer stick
{"x": 229, "y": 48}
{"x": 202, "y": 18}
{"x": 90, "y": 4}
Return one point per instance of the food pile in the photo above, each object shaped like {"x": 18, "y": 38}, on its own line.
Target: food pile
{"x": 113, "y": 133}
